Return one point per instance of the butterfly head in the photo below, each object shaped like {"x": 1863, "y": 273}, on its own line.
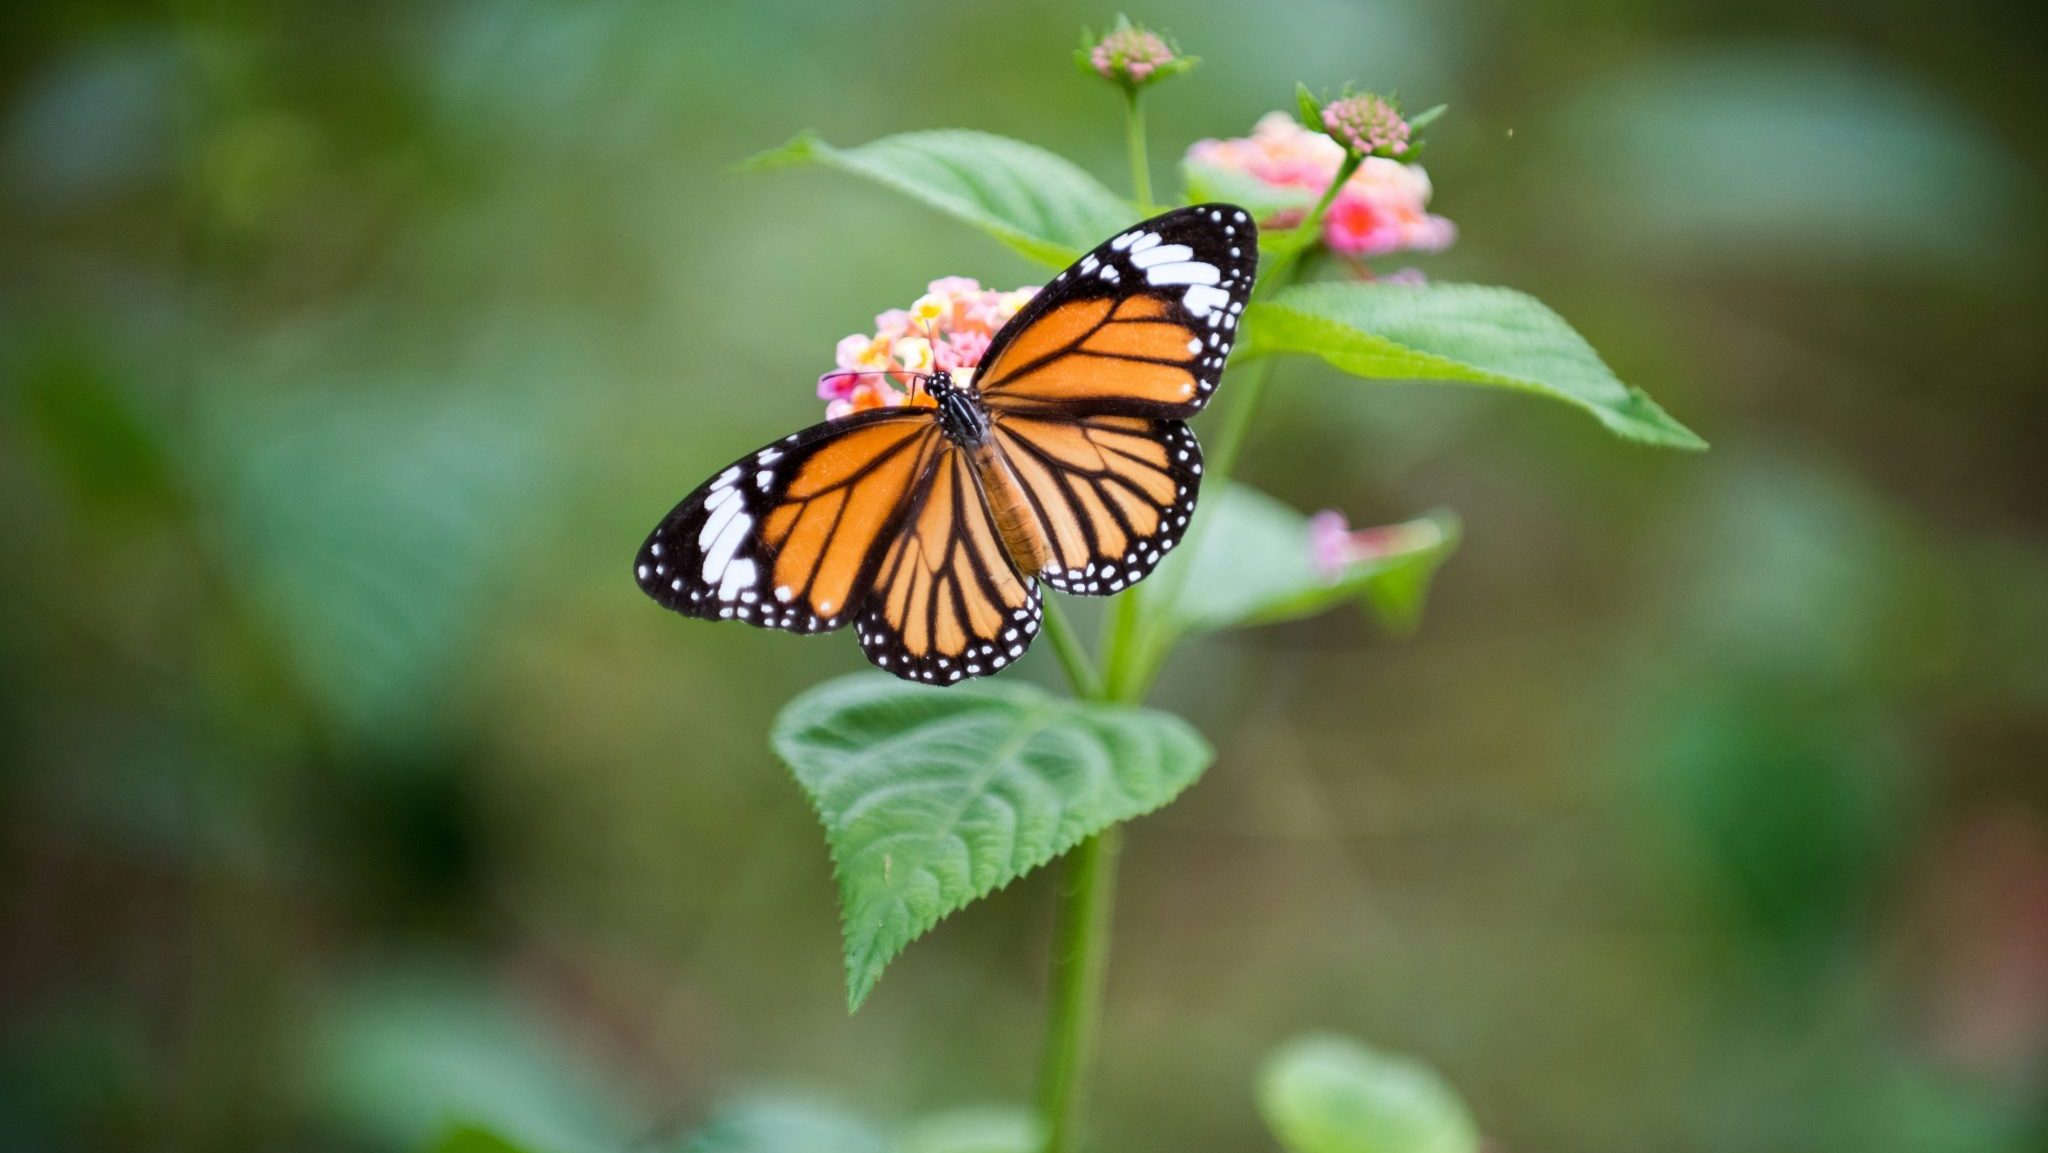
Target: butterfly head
{"x": 960, "y": 412}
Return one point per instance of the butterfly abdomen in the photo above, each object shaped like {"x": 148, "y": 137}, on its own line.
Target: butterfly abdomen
{"x": 1010, "y": 507}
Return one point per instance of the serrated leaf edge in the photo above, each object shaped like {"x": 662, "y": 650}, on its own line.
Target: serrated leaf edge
{"x": 857, "y": 991}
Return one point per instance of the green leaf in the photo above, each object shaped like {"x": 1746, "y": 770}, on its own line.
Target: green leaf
{"x": 983, "y": 1129}
{"x": 1035, "y": 202}
{"x": 1330, "y": 1094}
{"x": 1455, "y": 332}
{"x": 932, "y": 798}
{"x": 1250, "y": 562}
{"x": 786, "y": 1124}
{"x": 1427, "y": 116}
{"x": 1309, "y": 106}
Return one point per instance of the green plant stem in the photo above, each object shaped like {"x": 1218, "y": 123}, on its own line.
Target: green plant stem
{"x": 1087, "y": 889}
{"x": 1066, "y": 644}
{"x": 1080, "y": 962}
{"x": 1134, "y": 145}
{"x": 1149, "y": 647}
{"x": 1220, "y": 462}
{"x": 1081, "y": 928}
{"x": 1125, "y": 624}
{"x": 1308, "y": 232}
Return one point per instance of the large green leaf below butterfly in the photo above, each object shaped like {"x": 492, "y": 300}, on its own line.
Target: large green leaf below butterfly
{"x": 934, "y": 798}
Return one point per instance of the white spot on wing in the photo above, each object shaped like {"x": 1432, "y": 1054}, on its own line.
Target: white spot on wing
{"x": 1202, "y": 299}
{"x": 724, "y": 506}
{"x": 718, "y": 555}
{"x": 1145, "y": 256}
{"x": 1184, "y": 272}
{"x": 739, "y": 576}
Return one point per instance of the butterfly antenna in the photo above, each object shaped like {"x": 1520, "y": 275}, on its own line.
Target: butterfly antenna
{"x": 931, "y": 344}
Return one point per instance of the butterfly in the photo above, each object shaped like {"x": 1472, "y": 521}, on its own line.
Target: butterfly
{"x": 1064, "y": 459}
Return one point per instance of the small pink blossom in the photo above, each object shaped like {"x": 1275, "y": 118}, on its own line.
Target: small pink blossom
{"x": 1382, "y": 209}
{"x": 1334, "y": 546}
{"x": 867, "y": 392}
{"x": 962, "y": 348}
{"x": 949, "y": 328}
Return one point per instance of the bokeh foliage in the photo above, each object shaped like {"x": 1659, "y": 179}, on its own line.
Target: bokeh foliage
{"x": 351, "y": 791}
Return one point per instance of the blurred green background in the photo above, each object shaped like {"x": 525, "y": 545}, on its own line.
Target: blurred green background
{"x": 347, "y": 353}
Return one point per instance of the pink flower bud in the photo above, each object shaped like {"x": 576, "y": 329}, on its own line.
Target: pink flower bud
{"x": 1133, "y": 56}
{"x": 1367, "y": 125}
{"x": 1334, "y": 546}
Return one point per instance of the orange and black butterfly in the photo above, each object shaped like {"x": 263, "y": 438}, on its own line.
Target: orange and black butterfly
{"x": 928, "y": 528}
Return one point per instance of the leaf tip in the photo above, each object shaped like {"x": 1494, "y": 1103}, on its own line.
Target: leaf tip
{"x": 1644, "y": 420}
{"x": 801, "y": 149}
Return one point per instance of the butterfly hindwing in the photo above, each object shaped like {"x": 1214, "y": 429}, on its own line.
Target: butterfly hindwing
{"x": 1114, "y": 493}
{"x": 789, "y": 537}
{"x": 947, "y": 602}
{"x": 1141, "y": 326}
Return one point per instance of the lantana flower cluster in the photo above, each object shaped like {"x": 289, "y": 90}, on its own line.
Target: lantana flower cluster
{"x": 1382, "y": 209}
{"x": 948, "y": 329}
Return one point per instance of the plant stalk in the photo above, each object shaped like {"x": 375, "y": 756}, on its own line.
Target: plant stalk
{"x": 1134, "y": 145}
{"x": 1066, "y": 644}
{"x": 1087, "y": 886}
{"x": 1309, "y": 231}
{"x": 1081, "y": 926}
{"x": 1080, "y": 962}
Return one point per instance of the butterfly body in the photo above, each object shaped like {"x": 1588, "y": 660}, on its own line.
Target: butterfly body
{"x": 965, "y": 421}
{"x": 930, "y": 527}
{"x": 961, "y": 413}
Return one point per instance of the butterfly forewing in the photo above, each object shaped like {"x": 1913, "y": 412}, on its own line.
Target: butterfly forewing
{"x": 1140, "y": 326}
{"x": 789, "y": 537}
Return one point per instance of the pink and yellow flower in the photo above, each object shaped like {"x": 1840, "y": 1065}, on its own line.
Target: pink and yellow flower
{"x": 947, "y": 329}
{"x": 1383, "y": 208}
